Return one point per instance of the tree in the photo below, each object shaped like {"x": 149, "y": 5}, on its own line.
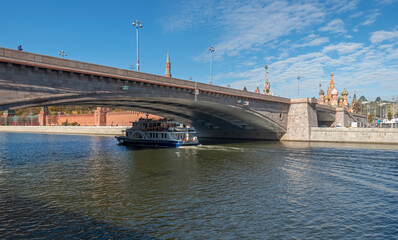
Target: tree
{"x": 378, "y": 99}
{"x": 389, "y": 116}
{"x": 370, "y": 118}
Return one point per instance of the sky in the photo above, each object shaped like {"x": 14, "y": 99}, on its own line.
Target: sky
{"x": 356, "y": 40}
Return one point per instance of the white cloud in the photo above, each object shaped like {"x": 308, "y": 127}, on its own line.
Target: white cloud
{"x": 368, "y": 70}
{"x": 253, "y": 25}
{"x": 339, "y": 6}
{"x": 309, "y": 42}
{"x": 371, "y": 18}
{"x": 381, "y": 36}
{"x": 247, "y": 25}
{"x": 335, "y": 26}
{"x": 343, "y": 48}
{"x": 386, "y": 2}
{"x": 276, "y": 29}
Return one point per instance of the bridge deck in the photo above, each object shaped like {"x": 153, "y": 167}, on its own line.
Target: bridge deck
{"x": 55, "y": 63}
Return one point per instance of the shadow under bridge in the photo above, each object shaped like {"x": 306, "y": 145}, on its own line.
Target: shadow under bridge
{"x": 210, "y": 119}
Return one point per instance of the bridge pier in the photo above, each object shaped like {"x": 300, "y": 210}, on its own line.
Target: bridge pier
{"x": 301, "y": 117}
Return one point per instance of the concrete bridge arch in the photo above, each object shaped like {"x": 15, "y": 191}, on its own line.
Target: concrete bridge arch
{"x": 28, "y": 80}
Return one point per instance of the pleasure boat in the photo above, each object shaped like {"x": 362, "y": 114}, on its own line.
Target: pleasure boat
{"x": 158, "y": 133}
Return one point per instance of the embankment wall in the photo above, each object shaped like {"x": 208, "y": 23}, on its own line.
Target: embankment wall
{"x": 84, "y": 130}
{"x": 355, "y": 135}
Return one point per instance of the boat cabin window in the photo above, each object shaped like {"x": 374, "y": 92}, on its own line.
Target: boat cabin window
{"x": 137, "y": 135}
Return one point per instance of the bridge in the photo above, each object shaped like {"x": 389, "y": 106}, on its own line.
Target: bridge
{"x": 31, "y": 80}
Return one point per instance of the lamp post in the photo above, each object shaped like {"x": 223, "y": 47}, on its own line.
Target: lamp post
{"x": 298, "y": 86}
{"x": 211, "y": 49}
{"x": 62, "y": 53}
{"x": 131, "y": 66}
{"x": 137, "y": 25}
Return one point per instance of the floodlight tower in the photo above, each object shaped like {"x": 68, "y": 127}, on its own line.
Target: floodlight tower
{"x": 137, "y": 25}
{"x": 211, "y": 49}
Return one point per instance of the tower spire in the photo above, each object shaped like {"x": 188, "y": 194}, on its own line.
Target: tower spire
{"x": 168, "y": 67}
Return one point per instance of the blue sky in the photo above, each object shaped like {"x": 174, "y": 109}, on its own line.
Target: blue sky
{"x": 356, "y": 40}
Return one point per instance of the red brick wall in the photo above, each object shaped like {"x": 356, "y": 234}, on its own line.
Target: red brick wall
{"x": 124, "y": 118}
{"x": 111, "y": 118}
{"x": 82, "y": 119}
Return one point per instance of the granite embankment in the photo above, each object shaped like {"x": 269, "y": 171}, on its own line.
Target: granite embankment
{"x": 85, "y": 130}
{"x": 339, "y": 135}
{"x": 355, "y": 135}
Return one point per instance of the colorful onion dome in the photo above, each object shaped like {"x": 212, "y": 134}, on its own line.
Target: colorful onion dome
{"x": 334, "y": 92}
{"x": 344, "y": 92}
{"x": 321, "y": 92}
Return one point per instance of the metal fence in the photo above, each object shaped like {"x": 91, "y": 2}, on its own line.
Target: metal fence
{"x": 19, "y": 121}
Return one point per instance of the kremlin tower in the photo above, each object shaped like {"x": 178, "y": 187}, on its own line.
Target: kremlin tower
{"x": 168, "y": 73}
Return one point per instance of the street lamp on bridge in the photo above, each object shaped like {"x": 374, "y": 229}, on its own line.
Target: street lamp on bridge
{"x": 62, "y": 53}
{"x": 211, "y": 49}
{"x": 137, "y": 25}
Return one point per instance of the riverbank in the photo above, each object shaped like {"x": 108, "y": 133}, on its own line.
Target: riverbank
{"x": 355, "y": 135}
{"x": 337, "y": 135}
{"x": 76, "y": 130}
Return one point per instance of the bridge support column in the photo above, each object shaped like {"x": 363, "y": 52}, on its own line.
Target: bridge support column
{"x": 301, "y": 117}
{"x": 340, "y": 118}
{"x": 43, "y": 116}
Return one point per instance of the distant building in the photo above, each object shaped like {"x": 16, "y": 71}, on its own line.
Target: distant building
{"x": 331, "y": 98}
{"x": 355, "y": 105}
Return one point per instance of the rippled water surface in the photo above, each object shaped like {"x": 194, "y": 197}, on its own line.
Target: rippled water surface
{"x": 64, "y": 186}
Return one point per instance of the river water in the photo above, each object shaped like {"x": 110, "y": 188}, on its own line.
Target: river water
{"x": 66, "y": 186}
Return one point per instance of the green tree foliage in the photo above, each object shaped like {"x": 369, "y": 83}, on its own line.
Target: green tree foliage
{"x": 27, "y": 111}
{"x": 370, "y": 118}
{"x": 378, "y": 99}
{"x": 389, "y": 116}
{"x": 53, "y": 110}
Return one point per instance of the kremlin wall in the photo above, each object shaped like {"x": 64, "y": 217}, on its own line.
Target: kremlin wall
{"x": 100, "y": 117}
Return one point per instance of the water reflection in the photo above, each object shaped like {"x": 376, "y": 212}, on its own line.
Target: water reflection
{"x": 250, "y": 190}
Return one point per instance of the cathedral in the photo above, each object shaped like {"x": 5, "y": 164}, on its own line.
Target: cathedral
{"x": 331, "y": 98}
